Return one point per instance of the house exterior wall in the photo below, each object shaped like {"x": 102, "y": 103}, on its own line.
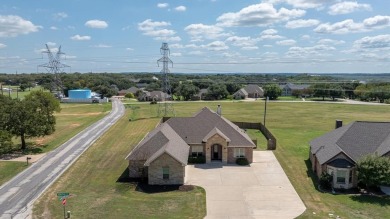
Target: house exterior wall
{"x": 248, "y": 154}
{"x": 191, "y": 145}
{"x": 216, "y": 139}
{"x": 176, "y": 171}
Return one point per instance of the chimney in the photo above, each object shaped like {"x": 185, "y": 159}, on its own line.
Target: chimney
{"x": 219, "y": 110}
{"x": 339, "y": 123}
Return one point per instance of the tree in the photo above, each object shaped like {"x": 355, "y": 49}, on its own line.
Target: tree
{"x": 105, "y": 91}
{"x": 320, "y": 90}
{"x": 373, "y": 170}
{"x": 232, "y": 87}
{"x": 32, "y": 116}
{"x": 335, "y": 91}
{"x": 6, "y": 143}
{"x": 129, "y": 95}
{"x": 217, "y": 91}
{"x": 272, "y": 91}
{"x": 187, "y": 90}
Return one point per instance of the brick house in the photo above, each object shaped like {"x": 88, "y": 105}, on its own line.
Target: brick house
{"x": 250, "y": 90}
{"x": 338, "y": 151}
{"x": 163, "y": 154}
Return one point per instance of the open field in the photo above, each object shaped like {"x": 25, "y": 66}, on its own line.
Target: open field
{"x": 19, "y": 94}
{"x": 71, "y": 120}
{"x": 92, "y": 181}
{"x": 93, "y": 178}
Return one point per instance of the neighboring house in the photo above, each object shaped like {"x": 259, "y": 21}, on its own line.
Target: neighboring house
{"x": 289, "y": 88}
{"x": 153, "y": 96}
{"x": 249, "y": 91}
{"x": 201, "y": 95}
{"x": 132, "y": 90}
{"x": 162, "y": 155}
{"x": 338, "y": 151}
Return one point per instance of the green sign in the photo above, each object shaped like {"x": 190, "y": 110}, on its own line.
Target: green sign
{"x": 62, "y": 194}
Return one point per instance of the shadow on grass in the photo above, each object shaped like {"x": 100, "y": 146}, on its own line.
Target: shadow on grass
{"x": 311, "y": 174}
{"x": 372, "y": 199}
{"x": 141, "y": 184}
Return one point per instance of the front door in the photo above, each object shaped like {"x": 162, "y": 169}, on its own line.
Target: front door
{"x": 216, "y": 152}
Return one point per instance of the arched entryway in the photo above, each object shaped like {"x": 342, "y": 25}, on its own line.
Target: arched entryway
{"x": 216, "y": 152}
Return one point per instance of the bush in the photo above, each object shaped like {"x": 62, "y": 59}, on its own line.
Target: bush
{"x": 374, "y": 170}
{"x": 242, "y": 161}
{"x": 153, "y": 102}
{"x": 129, "y": 95}
{"x": 326, "y": 181}
{"x": 194, "y": 160}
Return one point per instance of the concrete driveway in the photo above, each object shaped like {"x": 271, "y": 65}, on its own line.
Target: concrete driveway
{"x": 259, "y": 191}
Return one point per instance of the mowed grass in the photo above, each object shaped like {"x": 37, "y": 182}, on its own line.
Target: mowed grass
{"x": 92, "y": 181}
{"x": 71, "y": 120}
{"x": 18, "y": 93}
{"x": 9, "y": 169}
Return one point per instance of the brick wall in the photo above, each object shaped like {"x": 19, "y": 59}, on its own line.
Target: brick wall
{"x": 248, "y": 155}
{"x": 176, "y": 171}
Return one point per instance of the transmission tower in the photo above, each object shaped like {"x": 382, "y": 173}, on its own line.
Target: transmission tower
{"x": 166, "y": 107}
{"x": 54, "y": 66}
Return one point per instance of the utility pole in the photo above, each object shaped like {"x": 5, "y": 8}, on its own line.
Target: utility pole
{"x": 167, "y": 107}
{"x": 55, "y": 67}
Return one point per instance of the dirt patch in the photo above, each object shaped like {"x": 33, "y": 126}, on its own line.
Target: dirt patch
{"x": 186, "y": 188}
{"x": 80, "y": 114}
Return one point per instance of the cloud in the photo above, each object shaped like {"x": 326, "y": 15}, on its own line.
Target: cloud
{"x": 305, "y": 4}
{"x": 242, "y": 41}
{"x": 250, "y": 48}
{"x": 286, "y": 42}
{"x": 157, "y": 30}
{"x": 53, "y": 28}
{"x": 129, "y": 49}
{"x": 375, "y": 42}
{"x": 200, "y": 31}
{"x": 12, "y": 26}
{"x": 262, "y": 14}
{"x": 98, "y": 24}
{"x": 51, "y": 44}
{"x": 330, "y": 41}
{"x": 176, "y": 54}
{"x": 2, "y": 45}
{"x": 349, "y": 26}
{"x": 301, "y": 23}
{"x": 347, "y": 8}
{"x": 80, "y": 38}
{"x": 162, "y": 5}
{"x": 270, "y": 34}
{"x": 317, "y": 50}
{"x": 59, "y": 16}
{"x": 216, "y": 46}
{"x": 181, "y": 8}
{"x": 102, "y": 46}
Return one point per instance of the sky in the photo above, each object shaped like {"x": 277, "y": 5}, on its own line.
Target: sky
{"x": 204, "y": 36}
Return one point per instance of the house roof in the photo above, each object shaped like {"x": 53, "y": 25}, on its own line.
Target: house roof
{"x": 297, "y": 86}
{"x": 355, "y": 140}
{"x": 215, "y": 131}
{"x": 163, "y": 139}
{"x": 194, "y": 129}
{"x": 242, "y": 91}
{"x": 253, "y": 88}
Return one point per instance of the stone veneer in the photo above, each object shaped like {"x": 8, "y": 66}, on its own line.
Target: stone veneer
{"x": 248, "y": 154}
{"x": 216, "y": 139}
{"x": 176, "y": 171}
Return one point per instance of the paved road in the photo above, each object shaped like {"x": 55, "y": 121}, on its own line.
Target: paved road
{"x": 18, "y": 195}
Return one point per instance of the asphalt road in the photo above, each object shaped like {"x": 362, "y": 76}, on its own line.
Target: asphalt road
{"x": 18, "y": 195}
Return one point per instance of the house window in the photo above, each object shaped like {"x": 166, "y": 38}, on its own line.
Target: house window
{"x": 165, "y": 171}
{"x": 196, "y": 151}
{"x": 341, "y": 176}
{"x": 239, "y": 152}
{"x": 350, "y": 177}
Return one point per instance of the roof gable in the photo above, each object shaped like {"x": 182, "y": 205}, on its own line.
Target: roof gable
{"x": 216, "y": 131}
{"x": 253, "y": 88}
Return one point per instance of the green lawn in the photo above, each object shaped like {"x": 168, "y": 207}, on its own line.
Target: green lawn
{"x": 71, "y": 120}
{"x": 93, "y": 178}
{"x": 19, "y": 94}
{"x": 9, "y": 169}
{"x": 92, "y": 181}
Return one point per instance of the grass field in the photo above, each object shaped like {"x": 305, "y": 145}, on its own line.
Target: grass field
{"x": 71, "y": 120}
{"x": 92, "y": 179}
{"x": 19, "y": 94}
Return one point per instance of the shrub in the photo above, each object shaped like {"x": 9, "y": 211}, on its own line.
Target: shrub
{"x": 326, "y": 181}
{"x": 153, "y": 102}
{"x": 195, "y": 160}
{"x": 129, "y": 95}
{"x": 242, "y": 161}
{"x": 374, "y": 170}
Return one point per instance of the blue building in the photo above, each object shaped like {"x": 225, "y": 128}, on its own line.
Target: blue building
{"x": 79, "y": 94}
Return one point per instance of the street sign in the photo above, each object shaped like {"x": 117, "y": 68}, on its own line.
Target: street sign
{"x": 63, "y": 194}
{"x": 64, "y": 201}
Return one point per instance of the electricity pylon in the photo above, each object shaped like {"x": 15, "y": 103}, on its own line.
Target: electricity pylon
{"x": 166, "y": 107}
{"x": 54, "y": 66}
